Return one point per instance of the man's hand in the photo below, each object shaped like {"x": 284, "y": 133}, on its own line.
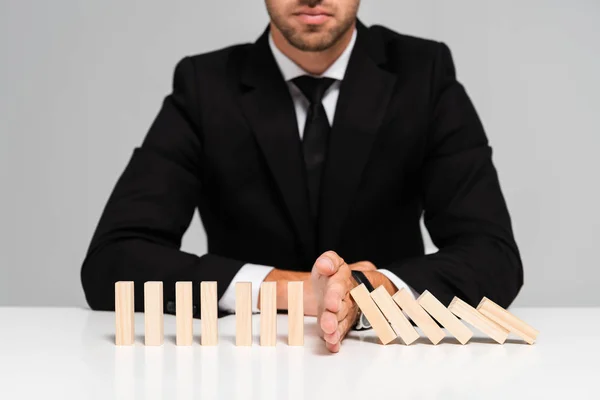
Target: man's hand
{"x": 336, "y": 310}
{"x": 363, "y": 266}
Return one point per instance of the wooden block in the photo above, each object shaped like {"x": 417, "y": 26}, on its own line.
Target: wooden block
{"x": 153, "y": 313}
{"x": 296, "y": 313}
{"x": 467, "y": 313}
{"x": 437, "y": 310}
{"x": 243, "y": 314}
{"x": 184, "y": 313}
{"x": 382, "y": 328}
{"x": 209, "y": 314}
{"x": 124, "y": 314}
{"x": 268, "y": 314}
{"x": 390, "y": 310}
{"x": 415, "y": 312}
{"x": 507, "y": 320}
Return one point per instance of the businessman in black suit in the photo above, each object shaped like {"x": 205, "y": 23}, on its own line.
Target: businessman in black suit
{"x": 324, "y": 139}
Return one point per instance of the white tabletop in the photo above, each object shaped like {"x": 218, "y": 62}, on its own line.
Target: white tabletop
{"x": 70, "y": 354}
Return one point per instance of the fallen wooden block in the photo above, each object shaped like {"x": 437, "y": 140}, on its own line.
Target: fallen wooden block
{"x": 507, "y": 320}
{"x": 390, "y": 310}
{"x": 467, "y": 313}
{"x": 184, "y": 313}
{"x": 441, "y": 314}
{"x": 382, "y": 328}
{"x": 243, "y": 314}
{"x": 124, "y": 314}
{"x": 209, "y": 314}
{"x": 296, "y": 313}
{"x": 420, "y": 317}
{"x": 153, "y": 314}
{"x": 268, "y": 314}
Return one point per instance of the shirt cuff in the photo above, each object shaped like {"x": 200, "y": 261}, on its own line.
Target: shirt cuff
{"x": 252, "y": 273}
{"x": 400, "y": 284}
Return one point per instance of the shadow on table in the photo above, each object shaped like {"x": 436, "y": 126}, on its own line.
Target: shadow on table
{"x": 171, "y": 339}
{"x": 492, "y": 341}
{"x": 230, "y": 338}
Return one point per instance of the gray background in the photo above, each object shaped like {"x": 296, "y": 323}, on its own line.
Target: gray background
{"x": 81, "y": 81}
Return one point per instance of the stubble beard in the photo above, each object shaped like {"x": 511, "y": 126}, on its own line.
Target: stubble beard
{"x": 304, "y": 41}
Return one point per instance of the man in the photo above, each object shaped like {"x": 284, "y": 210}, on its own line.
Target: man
{"x": 324, "y": 139}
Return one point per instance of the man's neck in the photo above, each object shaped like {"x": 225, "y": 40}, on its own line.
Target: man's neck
{"x": 313, "y": 62}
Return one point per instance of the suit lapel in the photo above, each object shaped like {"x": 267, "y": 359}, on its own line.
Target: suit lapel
{"x": 364, "y": 95}
{"x": 269, "y": 110}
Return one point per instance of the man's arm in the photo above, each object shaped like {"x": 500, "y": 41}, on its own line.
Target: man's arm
{"x": 139, "y": 234}
{"x": 465, "y": 211}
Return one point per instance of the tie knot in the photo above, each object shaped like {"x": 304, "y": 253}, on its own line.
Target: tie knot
{"x": 313, "y": 88}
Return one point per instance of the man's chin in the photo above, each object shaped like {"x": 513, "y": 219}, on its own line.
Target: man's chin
{"x": 312, "y": 42}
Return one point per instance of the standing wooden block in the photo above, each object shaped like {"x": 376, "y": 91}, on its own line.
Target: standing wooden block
{"x": 153, "y": 313}
{"x": 382, "y": 328}
{"x": 415, "y": 312}
{"x": 296, "y": 313}
{"x": 508, "y": 321}
{"x": 390, "y": 310}
{"x": 184, "y": 313}
{"x": 437, "y": 310}
{"x": 209, "y": 313}
{"x": 124, "y": 314}
{"x": 467, "y": 313}
{"x": 243, "y": 314}
{"x": 268, "y": 314}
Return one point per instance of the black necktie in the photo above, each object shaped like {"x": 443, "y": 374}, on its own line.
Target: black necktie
{"x": 316, "y": 134}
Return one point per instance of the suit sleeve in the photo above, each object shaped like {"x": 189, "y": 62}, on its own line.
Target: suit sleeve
{"x": 139, "y": 234}
{"x": 464, "y": 209}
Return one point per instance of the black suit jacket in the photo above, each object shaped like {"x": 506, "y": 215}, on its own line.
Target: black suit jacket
{"x": 405, "y": 140}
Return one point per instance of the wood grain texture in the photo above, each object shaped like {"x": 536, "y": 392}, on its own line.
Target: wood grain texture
{"x": 391, "y": 311}
{"x": 268, "y": 314}
{"x": 153, "y": 314}
{"x": 184, "y": 313}
{"x": 420, "y": 317}
{"x": 470, "y": 315}
{"x": 124, "y": 314}
{"x": 243, "y": 314}
{"x": 209, "y": 314}
{"x": 442, "y": 315}
{"x": 295, "y": 313}
{"x": 507, "y": 320}
{"x": 380, "y": 325}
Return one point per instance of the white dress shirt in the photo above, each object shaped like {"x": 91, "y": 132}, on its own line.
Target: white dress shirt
{"x": 289, "y": 69}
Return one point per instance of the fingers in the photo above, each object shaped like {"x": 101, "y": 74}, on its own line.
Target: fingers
{"x": 335, "y": 291}
{"x": 328, "y": 263}
{"x": 328, "y": 322}
{"x": 343, "y": 327}
{"x": 334, "y": 348}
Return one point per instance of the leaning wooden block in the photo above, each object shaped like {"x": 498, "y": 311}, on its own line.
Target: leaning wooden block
{"x": 441, "y": 314}
{"x": 268, "y": 314}
{"x": 382, "y": 328}
{"x": 184, "y": 313}
{"x": 209, "y": 313}
{"x": 508, "y": 321}
{"x": 467, "y": 313}
{"x": 295, "y": 314}
{"x": 153, "y": 313}
{"x": 124, "y": 314}
{"x": 243, "y": 314}
{"x": 415, "y": 312}
{"x": 390, "y": 310}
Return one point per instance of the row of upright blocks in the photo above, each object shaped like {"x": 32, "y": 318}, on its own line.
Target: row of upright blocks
{"x": 154, "y": 315}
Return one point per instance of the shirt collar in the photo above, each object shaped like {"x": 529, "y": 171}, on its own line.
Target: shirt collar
{"x": 290, "y": 70}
